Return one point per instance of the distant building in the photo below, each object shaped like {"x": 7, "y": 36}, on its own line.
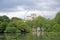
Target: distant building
{"x": 32, "y": 16}
{"x": 29, "y": 18}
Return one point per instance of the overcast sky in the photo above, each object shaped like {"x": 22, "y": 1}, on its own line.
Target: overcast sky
{"x": 19, "y": 8}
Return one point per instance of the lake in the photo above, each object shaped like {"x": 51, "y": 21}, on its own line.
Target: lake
{"x": 31, "y": 36}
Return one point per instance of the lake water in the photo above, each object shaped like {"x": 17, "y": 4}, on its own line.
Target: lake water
{"x": 31, "y": 36}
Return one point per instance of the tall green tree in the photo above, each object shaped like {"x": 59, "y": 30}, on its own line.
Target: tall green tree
{"x": 29, "y": 23}
{"x": 17, "y": 25}
{"x": 56, "y": 28}
{"x": 49, "y": 25}
{"x": 57, "y": 18}
{"x": 39, "y": 22}
{"x": 4, "y": 20}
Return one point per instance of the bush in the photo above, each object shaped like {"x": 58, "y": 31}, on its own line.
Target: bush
{"x": 11, "y": 30}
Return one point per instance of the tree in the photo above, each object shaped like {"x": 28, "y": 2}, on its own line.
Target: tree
{"x": 56, "y": 28}
{"x": 49, "y": 25}
{"x": 3, "y": 26}
{"x": 11, "y": 28}
{"x": 29, "y": 23}
{"x": 39, "y": 21}
{"x": 15, "y": 19}
{"x": 4, "y": 20}
{"x": 57, "y": 18}
{"x": 17, "y": 24}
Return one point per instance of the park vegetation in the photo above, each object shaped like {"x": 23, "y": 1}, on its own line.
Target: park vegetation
{"x": 19, "y": 25}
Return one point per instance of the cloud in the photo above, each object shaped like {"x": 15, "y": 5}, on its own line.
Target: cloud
{"x": 18, "y": 8}
{"x": 13, "y": 14}
{"x": 10, "y": 5}
{"x": 24, "y": 14}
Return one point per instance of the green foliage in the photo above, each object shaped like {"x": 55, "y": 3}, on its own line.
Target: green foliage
{"x": 57, "y": 18}
{"x": 49, "y": 25}
{"x": 15, "y": 19}
{"x": 51, "y": 36}
{"x": 24, "y": 27}
{"x": 56, "y": 28}
{"x": 17, "y": 24}
{"x": 3, "y": 26}
{"x": 12, "y": 30}
{"x": 38, "y": 21}
{"x": 4, "y": 20}
{"x": 29, "y": 23}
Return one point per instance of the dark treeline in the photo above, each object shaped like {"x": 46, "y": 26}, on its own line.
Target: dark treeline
{"x": 18, "y": 25}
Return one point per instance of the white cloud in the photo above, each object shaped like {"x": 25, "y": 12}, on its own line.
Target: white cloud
{"x": 49, "y": 14}
{"x": 20, "y": 8}
{"x": 9, "y": 5}
{"x": 14, "y": 14}
{"x": 58, "y": 9}
{"x": 43, "y": 4}
{"x": 22, "y": 14}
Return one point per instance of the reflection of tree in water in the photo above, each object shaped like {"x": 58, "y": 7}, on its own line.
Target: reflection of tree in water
{"x": 29, "y": 36}
{"x": 22, "y": 36}
{"x": 17, "y": 36}
{"x": 11, "y": 36}
{"x": 51, "y": 36}
{"x": 2, "y": 36}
